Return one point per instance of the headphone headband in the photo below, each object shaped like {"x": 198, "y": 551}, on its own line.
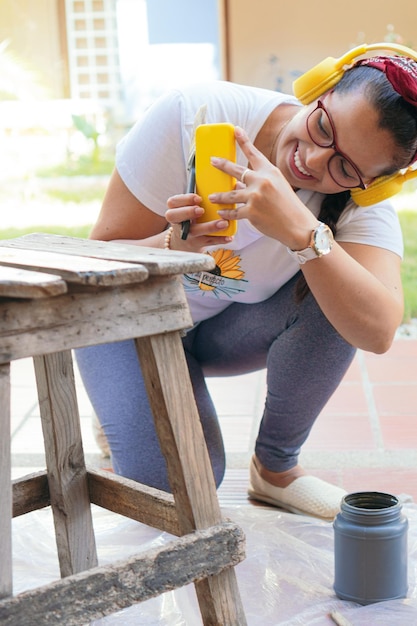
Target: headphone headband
{"x": 326, "y": 74}
{"x": 392, "y": 47}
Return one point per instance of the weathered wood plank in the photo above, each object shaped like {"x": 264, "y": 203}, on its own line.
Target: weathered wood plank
{"x": 73, "y": 320}
{"x": 19, "y": 283}
{"x": 81, "y": 598}
{"x": 179, "y": 430}
{"x": 158, "y": 262}
{"x": 219, "y": 599}
{"x": 67, "y": 475}
{"x": 112, "y": 492}
{"x": 188, "y": 464}
{"x": 5, "y": 485}
{"x": 134, "y": 500}
{"x": 74, "y": 269}
{"x": 30, "y": 493}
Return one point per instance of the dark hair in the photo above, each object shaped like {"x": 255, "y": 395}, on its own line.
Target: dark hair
{"x": 395, "y": 115}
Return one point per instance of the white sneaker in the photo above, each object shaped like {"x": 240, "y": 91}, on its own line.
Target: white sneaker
{"x": 306, "y": 495}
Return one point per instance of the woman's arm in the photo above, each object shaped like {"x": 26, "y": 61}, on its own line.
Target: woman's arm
{"x": 124, "y": 218}
{"x": 358, "y": 287}
{"x": 359, "y": 290}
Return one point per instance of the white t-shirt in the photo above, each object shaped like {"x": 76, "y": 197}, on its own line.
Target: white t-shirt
{"x": 151, "y": 161}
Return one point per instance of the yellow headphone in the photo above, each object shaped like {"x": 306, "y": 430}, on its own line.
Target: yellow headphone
{"x": 322, "y": 78}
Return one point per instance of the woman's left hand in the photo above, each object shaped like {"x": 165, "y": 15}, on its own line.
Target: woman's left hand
{"x": 266, "y": 199}
{"x": 358, "y": 287}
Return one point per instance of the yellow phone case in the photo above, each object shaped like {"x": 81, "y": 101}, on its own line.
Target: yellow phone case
{"x": 214, "y": 140}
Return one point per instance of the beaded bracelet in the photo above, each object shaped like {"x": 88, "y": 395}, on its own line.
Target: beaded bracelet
{"x": 167, "y": 240}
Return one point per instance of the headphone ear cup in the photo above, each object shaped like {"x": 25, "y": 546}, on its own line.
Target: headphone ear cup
{"x": 380, "y": 189}
{"x": 318, "y": 80}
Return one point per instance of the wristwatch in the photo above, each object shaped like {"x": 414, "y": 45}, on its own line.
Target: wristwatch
{"x": 321, "y": 243}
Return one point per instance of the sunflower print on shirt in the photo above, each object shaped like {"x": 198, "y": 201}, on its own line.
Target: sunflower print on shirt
{"x": 225, "y": 279}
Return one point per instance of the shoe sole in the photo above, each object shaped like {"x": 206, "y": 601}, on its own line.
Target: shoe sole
{"x": 261, "y": 498}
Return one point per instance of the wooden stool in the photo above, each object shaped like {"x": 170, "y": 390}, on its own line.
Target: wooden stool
{"x": 59, "y": 293}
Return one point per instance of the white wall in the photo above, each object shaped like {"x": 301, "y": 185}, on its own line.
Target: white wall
{"x": 272, "y": 41}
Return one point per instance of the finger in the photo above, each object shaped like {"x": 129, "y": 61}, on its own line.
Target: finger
{"x": 207, "y": 228}
{"x": 200, "y": 232}
{"x": 255, "y": 158}
{"x": 183, "y": 213}
{"x": 231, "y": 214}
{"x": 182, "y": 200}
{"x": 236, "y": 196}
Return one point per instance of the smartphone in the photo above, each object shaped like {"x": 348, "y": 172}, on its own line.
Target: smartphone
{"x": 214, "y": 140}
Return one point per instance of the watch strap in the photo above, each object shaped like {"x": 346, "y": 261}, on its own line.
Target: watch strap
{"x": 302, "y": 256}
{"x": 312, "y": 252}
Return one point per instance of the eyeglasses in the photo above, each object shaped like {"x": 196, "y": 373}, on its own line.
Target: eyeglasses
{"x": 322, "y": 132}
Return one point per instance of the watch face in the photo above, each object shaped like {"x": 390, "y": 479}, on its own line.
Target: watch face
{"x": 323, "y": 239}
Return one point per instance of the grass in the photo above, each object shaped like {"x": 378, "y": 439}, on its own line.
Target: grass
{"x": 408, "y": 220}
{"x": 95, "y": 172}
{"x": 70, "y": 231}
{"x": 83, "y": 165}
{"x": 76, "y": 195}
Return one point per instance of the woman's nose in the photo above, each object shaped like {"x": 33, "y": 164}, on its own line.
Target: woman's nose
{"x": 317, "y": 159}
{"x": 315, "y": 155}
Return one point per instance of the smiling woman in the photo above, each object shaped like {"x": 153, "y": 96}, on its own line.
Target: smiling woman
{"x": 310, "y": 275}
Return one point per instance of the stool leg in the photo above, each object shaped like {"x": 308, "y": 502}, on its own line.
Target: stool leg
{"x": 190, "y": 473}
{"x": 67, "y": 476}
{"x": 6, "y": 587}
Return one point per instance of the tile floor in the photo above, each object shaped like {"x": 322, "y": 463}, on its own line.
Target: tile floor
{"x": 365, "y": 438}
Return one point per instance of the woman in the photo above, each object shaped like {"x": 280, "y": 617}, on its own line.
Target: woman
{"x": 285, "y": 303}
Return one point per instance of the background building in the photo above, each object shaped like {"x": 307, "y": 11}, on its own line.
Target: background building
{"x": 114, "y": 57}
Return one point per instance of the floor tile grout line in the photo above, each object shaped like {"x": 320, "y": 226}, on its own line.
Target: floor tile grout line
{"x": 27, "y": 416}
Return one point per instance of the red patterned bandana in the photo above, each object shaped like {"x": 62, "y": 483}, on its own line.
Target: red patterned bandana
{"x": 401, "y": 73}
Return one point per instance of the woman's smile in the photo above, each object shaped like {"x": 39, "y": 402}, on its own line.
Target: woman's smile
{"x": 299, "y": 166}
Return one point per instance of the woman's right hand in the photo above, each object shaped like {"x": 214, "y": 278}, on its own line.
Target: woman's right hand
{"x": 124, "y": 218}
{"x": 186, "y": 207}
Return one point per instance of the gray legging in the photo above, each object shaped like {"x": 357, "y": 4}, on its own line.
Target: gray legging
{"x": 305, "y": 359}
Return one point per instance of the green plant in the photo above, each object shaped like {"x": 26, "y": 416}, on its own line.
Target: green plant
{"x": 81, "y": 166}
{"x": 76, "y": 195}
{"x": 69, "y": 231}
{"x": 90, "y": 132}
{"x": 408, "y": 220}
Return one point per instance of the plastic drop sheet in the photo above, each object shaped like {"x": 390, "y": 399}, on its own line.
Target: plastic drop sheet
{"x": 286, "y": 578}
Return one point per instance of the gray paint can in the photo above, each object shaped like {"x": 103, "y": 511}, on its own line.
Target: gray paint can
{"x": 370, "y": 548}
